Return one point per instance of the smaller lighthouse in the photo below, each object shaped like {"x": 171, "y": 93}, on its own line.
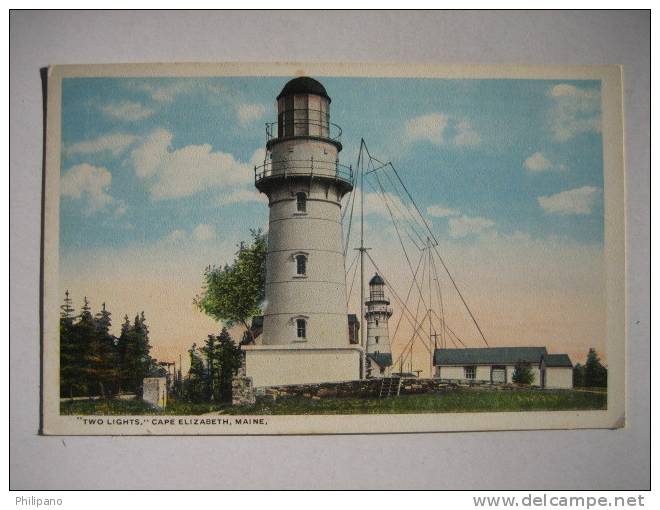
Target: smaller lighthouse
{"x": 378, "y": 351}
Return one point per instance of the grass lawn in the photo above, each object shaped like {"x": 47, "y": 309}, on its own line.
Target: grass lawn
{"x": 459, "y": 401}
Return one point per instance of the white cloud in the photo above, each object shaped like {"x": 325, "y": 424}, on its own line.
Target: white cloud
{"x": 440, "y": 128}
{"x": 242, "y": 196}
{"x": 469, "y": 225}
{"x": 377, "y": 204}
{"x": 176, "y": 236}
{"x": 203, "y": 232}
{"x": 439, "y": 211}
{"x": 88, "y": 182}
{"x": 465, "y": 135}
{"x": 248, "y": 112}
{"x": 183, "y": 172}
{"x": 127, "y": 110}
{"x": 573, "y": 201}
{"x": 115, "y": 143}
{"x": 537, "y": 162}
{"x": 166, "y": 92}
{"x": 429, "y": 127}
{"x": 575, "y": 111}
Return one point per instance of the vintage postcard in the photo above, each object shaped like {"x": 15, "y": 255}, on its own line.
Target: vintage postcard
{"x": 324, "y": 248}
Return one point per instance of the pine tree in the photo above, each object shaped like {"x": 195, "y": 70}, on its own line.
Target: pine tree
{"x": 67, "y": 308}
{"x": 230, "y": 362}
{"x": 122, "y": 348}
{"x": 595, "y": 374}
{"x": 137, "y": 362}
{"x": 85, "y": 337}
{"x": 70, "y": 355}
{"x": 194, "y": 385}
{"x": 211, "y": 376}
{"x": 578, "y": 375}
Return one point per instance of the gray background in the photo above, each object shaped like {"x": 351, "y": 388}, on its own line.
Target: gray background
{"x": 598, "y": 459}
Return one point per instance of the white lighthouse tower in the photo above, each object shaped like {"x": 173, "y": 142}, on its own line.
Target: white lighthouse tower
{"x": 379, "y": 353}
{"x": 305, "y": 336}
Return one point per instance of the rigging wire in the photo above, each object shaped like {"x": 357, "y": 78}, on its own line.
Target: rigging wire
{"x": 483, "y": 337}
{"x": 408, "y": 296}
{"x": 394, "y": 293}
{"x": 348, "y": 297}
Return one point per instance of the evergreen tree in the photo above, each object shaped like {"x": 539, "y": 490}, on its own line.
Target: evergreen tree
{"x": 103, "y": 354}
{"x": 137, "y": 362}
{"x": 66, "y": 308}
{"x": 595, "y": 374}
{"x": 194, "y": 385}
{"x": 70, "y": 355}
{"x": 230, "y": 362}
{"x": 85, "y": 338}
{"x": 578, "y": 375}
{"x": 522, "y": 373}
{"x": 122, "y": 348}
{"x": 211, "y": 377}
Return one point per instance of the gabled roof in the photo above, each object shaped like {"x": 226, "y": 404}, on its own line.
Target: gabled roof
{"x": 381, "y": 359}
{"x": 557, "y": 360}
{"x": 489, "y": 355}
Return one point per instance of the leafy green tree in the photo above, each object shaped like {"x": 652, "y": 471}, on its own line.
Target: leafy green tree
{"x": 595, "y": 374}
{"x": 233, "y": 294}
{"x": 522, "y": 373}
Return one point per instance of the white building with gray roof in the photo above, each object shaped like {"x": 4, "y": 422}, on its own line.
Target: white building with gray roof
{"x": 497, "y": 365}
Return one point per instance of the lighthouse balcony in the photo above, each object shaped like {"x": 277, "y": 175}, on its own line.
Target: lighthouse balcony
{"x": 379, "y": 308}
{"x": 303, "y": 123}
{"x": 305, "y": 168}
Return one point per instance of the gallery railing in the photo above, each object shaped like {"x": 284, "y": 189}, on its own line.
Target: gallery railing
{"x": 303, "y": 167}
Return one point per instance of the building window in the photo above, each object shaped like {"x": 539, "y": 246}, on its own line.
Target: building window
{"x": 301, "y": 202}
{"x": 301, "y": 328}
{"x": 376, "y": 322}
{"x": 377, "y": 339}
{"x": 301, "y": 265}
{"x": 470, "y": 372}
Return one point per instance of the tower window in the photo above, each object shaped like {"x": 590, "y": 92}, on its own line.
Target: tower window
{"x": 301, "y": 265}
{"x": 301, "y": 202}
{"x": 376, "y": 322}
{"x": 301, "y": 328}
{"x": 377, "y": 339}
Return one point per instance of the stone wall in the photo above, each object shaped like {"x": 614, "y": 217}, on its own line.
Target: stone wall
{"x": 371, "y": 388}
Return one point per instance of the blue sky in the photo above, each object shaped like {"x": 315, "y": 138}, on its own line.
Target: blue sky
{"x": 157, "y": 183}
{"x": 507, "y": 122}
